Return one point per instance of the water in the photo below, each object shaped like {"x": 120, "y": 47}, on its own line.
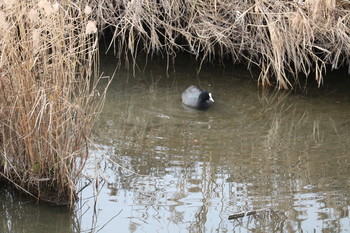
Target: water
{"x": 165, "y": 168}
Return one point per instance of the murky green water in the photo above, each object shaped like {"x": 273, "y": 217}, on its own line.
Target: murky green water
{"x": 167, "y": 168}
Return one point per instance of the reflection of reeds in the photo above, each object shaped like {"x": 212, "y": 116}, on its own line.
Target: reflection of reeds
{"x": 47, "y": 100}
{"x": 283, "y": 38}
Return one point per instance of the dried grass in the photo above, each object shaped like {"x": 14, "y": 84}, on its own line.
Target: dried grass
{"x": 283, "y": 38}
{"x": 48, "y": 75}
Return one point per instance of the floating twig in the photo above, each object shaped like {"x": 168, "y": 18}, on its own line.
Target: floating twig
{"x": 247, "y": 213}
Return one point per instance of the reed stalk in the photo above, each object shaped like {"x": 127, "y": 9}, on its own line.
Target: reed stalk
{"x": 48, "y": 101}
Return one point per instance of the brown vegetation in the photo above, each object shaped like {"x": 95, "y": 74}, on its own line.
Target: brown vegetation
{"x": 47, "y": 96}
{"x": 283, "y": 38}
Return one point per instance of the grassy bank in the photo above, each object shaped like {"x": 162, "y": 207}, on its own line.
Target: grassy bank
{"x": 48, "y": 68}
{"x": 284, "y": 38}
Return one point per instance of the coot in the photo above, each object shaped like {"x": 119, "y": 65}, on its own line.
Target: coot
{"x": 197, "y": 98}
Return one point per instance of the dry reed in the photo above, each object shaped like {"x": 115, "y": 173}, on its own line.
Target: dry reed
{"x": 48, "y": 99}
{"x": 283, "y": 38}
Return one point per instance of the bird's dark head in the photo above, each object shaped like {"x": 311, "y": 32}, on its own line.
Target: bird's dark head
{"x": 204, "y": 96}
{"x": 205, "y": 99}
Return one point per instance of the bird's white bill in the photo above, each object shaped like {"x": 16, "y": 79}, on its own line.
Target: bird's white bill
{"x": 211, "y": 98}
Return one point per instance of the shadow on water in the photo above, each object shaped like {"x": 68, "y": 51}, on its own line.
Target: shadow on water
{"x": 21, "y": 214}
{"x": 166, "y": 168}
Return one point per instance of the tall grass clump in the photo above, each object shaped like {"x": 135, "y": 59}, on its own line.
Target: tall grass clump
{"x": 48, "y": 75}
{"x": 284, "y": 38}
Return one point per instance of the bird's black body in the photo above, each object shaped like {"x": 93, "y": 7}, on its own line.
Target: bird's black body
{"x": 197, "y": 98}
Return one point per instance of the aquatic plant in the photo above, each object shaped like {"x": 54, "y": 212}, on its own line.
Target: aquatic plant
{"x": 283, "y": 38}
{"x": 48, "y": 95}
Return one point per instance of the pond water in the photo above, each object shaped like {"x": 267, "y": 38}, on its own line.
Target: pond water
{"x": 163, "y": 167}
